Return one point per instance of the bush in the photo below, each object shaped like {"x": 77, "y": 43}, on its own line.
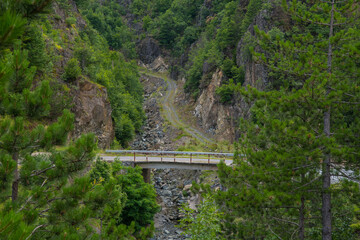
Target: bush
{"x": 205, "y": 224}
{"x": 141, "y": 205}
{"x": 232, "y": 71}
{"x": 70, "y": 21}
{"x": 72, "y": 70}
{"x": 147, "y": 21}
{"x": 100, "y": 172}
{"x": 226, "y": 67}
{"x": 226, "y": 91}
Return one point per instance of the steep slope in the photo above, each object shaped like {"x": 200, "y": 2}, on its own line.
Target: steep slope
{"x": 171, "y": 113}
{"x": 99, "y": 85}
{"x": 207, "y": 47}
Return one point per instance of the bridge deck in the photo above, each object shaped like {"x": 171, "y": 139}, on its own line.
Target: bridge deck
{"x": 177, "y": 160}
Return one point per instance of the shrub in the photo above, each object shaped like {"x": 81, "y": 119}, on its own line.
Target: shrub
{"x": 70, "y": 21}
{"x": 141, "y": 205}
{"x": 205, "y": 224}
{"x": 226, "y": 91}
{"x": 100, "y": 172}
{"x": 232, "y": 71}
{"x": 147, "y": 21}
{"x": 72, "y": 70}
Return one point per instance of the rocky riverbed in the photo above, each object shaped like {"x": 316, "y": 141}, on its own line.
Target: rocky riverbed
{"x": 172, "y": 185}
{"x": 156, "y": 133}
{"x": 173, "y": 189}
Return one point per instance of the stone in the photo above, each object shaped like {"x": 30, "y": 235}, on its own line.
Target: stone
{"x": 167, "y": 193}
{"x": 187, "y": 187}
{"x": 148, "y": 50}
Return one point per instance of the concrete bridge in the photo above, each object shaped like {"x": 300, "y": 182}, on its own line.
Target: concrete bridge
{"x": 169, "y": 159}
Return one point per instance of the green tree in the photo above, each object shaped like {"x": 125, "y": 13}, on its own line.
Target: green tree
{"x": 133, "y": 209}
{"x": 204, "y": 223}
{"x": 291, "y": 148}
{"x": 141, "y": 205}
{"x": 36, "y": 46}
{"x": 35, "y": 188}
{"x": 72, "y": 70}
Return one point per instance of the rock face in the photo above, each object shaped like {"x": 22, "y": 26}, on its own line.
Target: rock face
{"x": 216, "y": 118}
{"x": 256, "y": 74}
{"x": 221, "y": 120}
{"x": 148, "y": 50}
{"x": 158, "y": 65}
{"x": 92, "y": 112}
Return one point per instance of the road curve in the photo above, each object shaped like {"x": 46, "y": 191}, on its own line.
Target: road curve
{"x": 171, "y": 114}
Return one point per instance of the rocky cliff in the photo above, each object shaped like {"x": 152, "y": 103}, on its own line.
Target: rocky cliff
{"x": 221, "y": 120}
{"x": 92, "y": 112}
{"x": 216, "y": 118}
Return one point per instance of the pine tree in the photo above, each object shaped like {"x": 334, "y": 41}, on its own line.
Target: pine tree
{"x": 303, "y": 133}
{"x": 33, "y": 186}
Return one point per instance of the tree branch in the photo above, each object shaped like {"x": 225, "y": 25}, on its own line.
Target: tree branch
{"x": 35, "y": 229}
{"x": 42, "y": 171}
{"x": 306, "y": 184}
{"x": 287, "y": 221}
{"x": 344, "y": 174}
{"x": 274, "y": 233}
{"x": 344, "y": 102}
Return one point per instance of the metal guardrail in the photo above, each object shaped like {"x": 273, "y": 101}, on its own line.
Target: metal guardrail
{"x": 170, "y": 152}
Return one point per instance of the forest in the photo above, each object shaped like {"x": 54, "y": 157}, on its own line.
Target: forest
{"x": 291, "y": 68}
{"x": 47, "y": 188}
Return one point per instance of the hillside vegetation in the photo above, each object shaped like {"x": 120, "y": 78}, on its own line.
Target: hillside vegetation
{"x": 47, "y": 50}
{"x": 288, "y": 70}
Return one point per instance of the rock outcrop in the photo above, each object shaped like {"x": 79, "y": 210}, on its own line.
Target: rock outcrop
{"x": 158, "y": 65}
{"x": 92, "y": 112}
{"x": 255, "y": 74}
{"x": 90, "y": 101}
{"x": 148, "y": 50}
{"x": 221, "y": 120}
{"x": 216, "y": 118}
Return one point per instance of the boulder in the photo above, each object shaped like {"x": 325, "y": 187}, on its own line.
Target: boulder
{"x": 187, "y": 187}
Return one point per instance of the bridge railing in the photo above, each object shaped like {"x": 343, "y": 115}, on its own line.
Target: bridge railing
{"x": 173, "y": 154}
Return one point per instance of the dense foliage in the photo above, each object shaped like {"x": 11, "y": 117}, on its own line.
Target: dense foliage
{"x": 138, "y": 198}
{"x": 93, "y": 60}
{"x": 201, "y": 33}
{"x": 303, "y": 135}
{"x": 105, "y": 17}
{"x": 204, "y": 223}
{"x": 45, "y": 192}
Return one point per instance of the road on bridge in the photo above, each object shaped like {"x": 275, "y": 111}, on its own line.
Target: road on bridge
{"x": 165, "y": 159}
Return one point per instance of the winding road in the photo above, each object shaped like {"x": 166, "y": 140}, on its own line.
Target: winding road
{"x": 170, "y": 112}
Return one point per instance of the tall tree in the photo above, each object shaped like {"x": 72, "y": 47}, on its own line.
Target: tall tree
{"x": 303, "y": 133}
{"x": 32, "y": 185}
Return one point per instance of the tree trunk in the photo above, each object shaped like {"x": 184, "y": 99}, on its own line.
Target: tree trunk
{"x": 15, "y": 184}
{"x": 302, "y": 219}
{"x": 326, "y": 195}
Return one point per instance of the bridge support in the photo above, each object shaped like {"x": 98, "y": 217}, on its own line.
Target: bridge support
{"x": 146, "y": 173}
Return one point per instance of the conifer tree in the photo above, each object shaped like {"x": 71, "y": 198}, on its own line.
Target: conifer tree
{"x": 46, "y": 193}
{"x": 303, "y": 133}
{"x": 35, "y": 188}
